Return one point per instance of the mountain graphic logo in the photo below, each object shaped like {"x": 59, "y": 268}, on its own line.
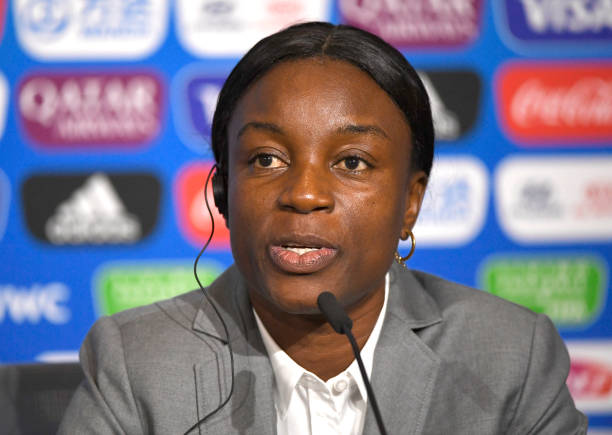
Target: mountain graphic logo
{"x": 454, "y": 96}
{"x": 94, "y": 213}
{"x": 91, "y": 209}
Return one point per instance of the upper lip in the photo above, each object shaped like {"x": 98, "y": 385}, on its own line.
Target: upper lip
{"x": 303, "y": 241}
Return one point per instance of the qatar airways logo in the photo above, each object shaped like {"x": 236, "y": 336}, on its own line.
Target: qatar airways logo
{"x": 416, "y": 23}
{"x": 590, "y": 377}
{"x": 192, "y": 216}
{"x": 2, "y": 15}
{"x": 231, "y": 27}
{"x": 121, "y": 109}
{"x": 540, "y": 104}
{"x": 90, "y": 29}
{"x": 555, "y": 199}
{"x": 559, "y": 21}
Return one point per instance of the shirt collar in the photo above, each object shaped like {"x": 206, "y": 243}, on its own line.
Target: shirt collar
{"x": 288, "y": 373}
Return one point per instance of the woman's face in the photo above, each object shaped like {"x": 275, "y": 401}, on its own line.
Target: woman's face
{"x": 320, "y": 184}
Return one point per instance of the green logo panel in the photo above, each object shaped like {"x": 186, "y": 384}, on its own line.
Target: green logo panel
{"x": 570, "y": 290}
{"x": 122, "y": 286}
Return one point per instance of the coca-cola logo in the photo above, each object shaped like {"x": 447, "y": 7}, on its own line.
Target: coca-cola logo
{"x": 121, "y": 109}
{"x": 192, "y": 215}
{"x": 589, "y": 380}
{"x": 556, "y": 103}
{"x": 418, "y": 22}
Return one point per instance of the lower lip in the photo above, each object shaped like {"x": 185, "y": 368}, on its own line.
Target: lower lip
{"x": 308, "y": 262}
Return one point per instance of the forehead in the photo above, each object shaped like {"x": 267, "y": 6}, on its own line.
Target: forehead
{"x": 319, "y": 93}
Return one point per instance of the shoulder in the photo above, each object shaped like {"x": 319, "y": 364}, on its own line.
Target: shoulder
{"x": 508, "y": 359}
{"x": 490, "y": 336}
{"x": 169, "y": 329}
{"x": 148, "y": 332}
{"x": 187, "y": 303}
{"x": 460, "y": 302}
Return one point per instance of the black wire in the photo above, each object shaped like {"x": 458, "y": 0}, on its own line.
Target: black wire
{"x": 210, "y": 301}
{"x": 364, "y": 375}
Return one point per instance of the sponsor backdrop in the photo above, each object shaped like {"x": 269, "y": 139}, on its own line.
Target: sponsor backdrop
{"x": 105, "y": 111}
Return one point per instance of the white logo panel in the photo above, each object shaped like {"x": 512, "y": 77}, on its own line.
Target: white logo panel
{"x": 590, "y": 376}
{"x": 90, "y": 29}
{"x": 4, "y": 94}
{"x": 555, "y": 199}
{"x": 231, "y": 27}
{"x": 455, "y": 203}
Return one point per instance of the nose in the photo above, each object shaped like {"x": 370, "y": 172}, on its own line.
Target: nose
{"x": 306, "y": 190}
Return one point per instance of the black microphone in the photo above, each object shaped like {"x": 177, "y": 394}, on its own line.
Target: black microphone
{"x": 342, "y": 324}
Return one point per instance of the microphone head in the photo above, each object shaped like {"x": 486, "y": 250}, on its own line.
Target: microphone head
{"x": 334, "y": 313}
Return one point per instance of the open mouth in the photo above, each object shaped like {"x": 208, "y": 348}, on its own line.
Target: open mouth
{"x": 301, "y": 250}
{"x": 301, "y": 258}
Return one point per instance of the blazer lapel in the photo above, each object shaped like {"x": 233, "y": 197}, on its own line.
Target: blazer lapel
{"x": 251, "y": 407}
{"x": 405, "y": 369}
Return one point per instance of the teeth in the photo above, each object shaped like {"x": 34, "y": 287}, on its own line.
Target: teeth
{"x": 300, "y": 251}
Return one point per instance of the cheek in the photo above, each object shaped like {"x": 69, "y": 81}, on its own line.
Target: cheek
{"x": 248, "y": 210}
{"x": 376, "y": 213}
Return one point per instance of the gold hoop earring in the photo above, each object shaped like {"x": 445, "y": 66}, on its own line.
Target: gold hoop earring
{"x": 402, "y": 260}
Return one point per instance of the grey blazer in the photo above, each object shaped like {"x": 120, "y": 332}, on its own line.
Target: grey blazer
{"x": 450, "y": 360}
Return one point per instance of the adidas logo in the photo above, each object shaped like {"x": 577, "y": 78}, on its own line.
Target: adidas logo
{"x": 94, "y": 213}
{"x": 446, "y": 124}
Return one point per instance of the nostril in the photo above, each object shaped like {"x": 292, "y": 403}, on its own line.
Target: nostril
{"x": 306, "y": 190}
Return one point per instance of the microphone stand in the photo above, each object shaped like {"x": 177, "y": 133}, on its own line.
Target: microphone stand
{"x": 342, "y": 324}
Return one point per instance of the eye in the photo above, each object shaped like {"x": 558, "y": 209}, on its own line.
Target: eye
{"x": 353, "y": 164}
{"x": 269, "y": 161}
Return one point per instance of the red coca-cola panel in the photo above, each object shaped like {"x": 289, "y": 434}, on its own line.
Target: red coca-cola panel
{"x": 95, "y": 108}
{"x": 192, "y": 215}
{"x": 556, "y": 103}
{"x": 589, "y": 380}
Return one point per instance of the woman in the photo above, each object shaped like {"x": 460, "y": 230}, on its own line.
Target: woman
{"x": 324, "y": 141}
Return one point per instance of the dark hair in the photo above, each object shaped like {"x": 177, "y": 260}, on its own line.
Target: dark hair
{"x": 387, "y": 67}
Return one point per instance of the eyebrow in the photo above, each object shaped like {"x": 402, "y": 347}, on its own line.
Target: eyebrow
{"x": 362, "y": 129}
{"x": 265, "y": 126}
{"x": 345, "y": 129}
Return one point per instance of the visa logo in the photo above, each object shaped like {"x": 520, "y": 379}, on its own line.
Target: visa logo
{"x": 572, "y": 16}
{"x": 533, "y": 24}
{"x": 35, "y": 303}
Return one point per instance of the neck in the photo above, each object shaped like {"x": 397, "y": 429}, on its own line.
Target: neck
{"x": 311, "y": 342}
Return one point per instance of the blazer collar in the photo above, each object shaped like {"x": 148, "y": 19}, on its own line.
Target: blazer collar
{"x": 405, "y": 368}
{"x": 408, "y": 301}
{"x": 251, "y": 407}
{"x": 404, "y": 373}
{"x": 230, "y": 296}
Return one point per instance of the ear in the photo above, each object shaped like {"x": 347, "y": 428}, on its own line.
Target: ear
{"x": 415, "y": 193}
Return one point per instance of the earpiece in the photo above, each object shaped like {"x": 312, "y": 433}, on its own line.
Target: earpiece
{"x": 219, "y": 187}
